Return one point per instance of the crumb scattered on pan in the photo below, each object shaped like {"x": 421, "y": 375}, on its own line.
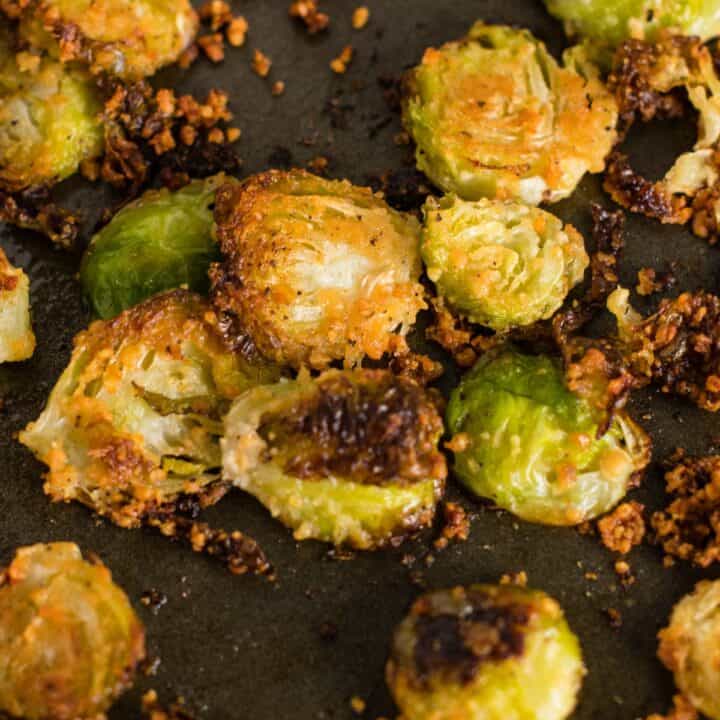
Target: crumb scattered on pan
{"x": 341, "y": 63}
{"x": 152, "y": 709}
{"x": 357, "y": 705}
{"x": 591, "y": 576}
{"x": 360, "y": 17}
{"x": 650, "y": 281}
{"x": 153, "y": 599}
{"x": 624, "y": 528}
{"x": 682, "y": 710}
{"x": 318, "y": 165}
{"x": 624, "y": 572}
{"x": 236, "y": 31}
{"x": 689, "y": 527}
{"x": 278, "y": 88}
{"x": 307, "y": 11}
{"x": 518, "y": 578}
{"x": 261, "y": 63}
{"x": 615, "y": 617}
{"x": 456, "y": 525}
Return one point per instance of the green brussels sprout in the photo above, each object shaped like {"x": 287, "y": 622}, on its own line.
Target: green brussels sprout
{"x": 17, "y": 341}
{"x": 522, "y": 439}
{"x": 133, "y": 424}
{"x": 49, "y": 119}
{"x": 316, "y": 270}
{"x": 128, "y": 39}
{"x": 500, "y": 264}
{"x": 495, "y": 116}
{"x": 69, "y": 638}
{"x": 161, "y": 241}
{"x": 688, "y": 647}
{"x": 485, "y": 653}
{"x": 349, "y": 458}
{"x": 612, "y": 21}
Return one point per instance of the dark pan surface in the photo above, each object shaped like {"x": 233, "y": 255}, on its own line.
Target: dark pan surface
{"x": 243, "y": 647}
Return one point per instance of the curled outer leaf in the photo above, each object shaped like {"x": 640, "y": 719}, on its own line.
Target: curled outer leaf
{"x": 500, "y": 264}
{"x": 69, "y": 638}
{"x": 688, "y": 647}
{"x": 161, "y": 241}
{"x": 315, "y": 270}
{"x": 485, "y": 653}
{"x": 17, "y": 341}
{"x": 111, "y": 36}
{"x": 494, "y": 115}
{"x": 49, "y": 119}
{"x": 349, "y": 458}
{"x": 132, "y": 427}
{"x": 523, "y": 440}
{"x": 612, "y": 21}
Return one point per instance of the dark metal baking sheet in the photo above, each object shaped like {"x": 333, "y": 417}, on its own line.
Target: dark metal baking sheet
{"x": 242, "y": 647}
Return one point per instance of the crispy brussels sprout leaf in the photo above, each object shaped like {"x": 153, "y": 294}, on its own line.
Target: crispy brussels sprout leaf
{"x": 485, "y": 653}
{"x": 160, "y": 242}
{"x": 132, "y": 427}
{"x": 129, "y": 39}
{"x": 500, "y": 264}
{"x": 49, "y": 119}
{"x": 316, "y": 270}
{"x": 688, "y": 647}
{"x": 523, "y": 440}
{"x": 17, "y": 341}
{"x": 69, "y": 638}
{"x": 495, "y": 116}
{"x": 349, "y": 458}
{"x": 612, "y": 21}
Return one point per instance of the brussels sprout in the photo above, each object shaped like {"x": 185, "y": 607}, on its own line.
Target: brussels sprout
{"x": 612, "y": 21}
{"x": 688, "y": 647}
{"x": 161, "y": 241}
{"x": 133, "y": 424}
{"x": 131, "y": 39}
{"x": 49, "y": 120}
{"x": 316, "y": 270}
{"x": 69, "y": 639}
{"x": 349, "y": 458}
{"x": 500, "y": 264}
{"x": 522, "y": 439}
{"x": 495, "y": 116}
{"x": 17, "y": 341}
{"x": 485, "y": 653}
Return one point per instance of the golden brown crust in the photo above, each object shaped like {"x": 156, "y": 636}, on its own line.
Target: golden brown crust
{"x": 308, "y": 12}
{"x": 624, "y": 528}
{"x": 682, "y": 710}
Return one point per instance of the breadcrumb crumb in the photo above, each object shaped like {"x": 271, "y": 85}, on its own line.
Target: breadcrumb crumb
{"x": 307, "y": 11}
{"x": 360, "y": 17}
{"x": 236, "y": 31}
{"x": 358, "y": 705}
{"x": 340, "y": 64}
{"x": 519, "y": 578}
{"x": 278, "y": 88}
{"x": 261, "y": 63}
{"x": 624, "y": 528}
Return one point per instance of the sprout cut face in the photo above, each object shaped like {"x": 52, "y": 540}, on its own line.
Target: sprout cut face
{"x": 129, "y": 39}
{"x": 49, "y": 120}
{"x": 500, "y": 264}
{"x": 160, "y": 242}
{"x": 316, "y": 270}
{"x": 485, "y": 653}
{"x": 17, "y": 341}
{"x": 349, "y": 458}
{"x": 523, "y": 440}
{"x": 612, "y": 21}
{"x": 688, "y": 647}
{"x": 495, "y": 116}
{"x": 133, "y": 425}
{"x": 69, "y": 639}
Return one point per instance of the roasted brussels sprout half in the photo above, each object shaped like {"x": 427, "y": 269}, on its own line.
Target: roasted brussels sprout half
{"x": 688, "y": 647}
{"x": 161, "y": 241}
{"x": 129, "y": 39}
{"x": 612, "y": 21}
{"x": 132, "y": 427}
{"x": 485, "y": 653}
{"x": 495, "y": 116}
{"x": 500, "y": 264}
{"x": 17, "y": 341}
{"x": 69, "y": 639}
{"x": 49, "y": 119}
{"x": 523, "y": 440}
{"x": 349, "y": 458}
{"x": 316, "y": 270}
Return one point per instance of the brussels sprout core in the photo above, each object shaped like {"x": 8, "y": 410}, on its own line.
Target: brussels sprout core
{"x": 348, "y": 458}
{"x": 495, "y": 116}
{"x": 316, "y": 270}
{"x": 69, "y": 639}
{"x": 523, "y": 440}
{"x": 500, "y": 264}
{"x": 689, "y": 647}
{"x": 17, "y": 341}
{"x": 485, "y": 653}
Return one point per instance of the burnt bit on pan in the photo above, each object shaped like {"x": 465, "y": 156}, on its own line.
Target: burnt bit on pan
{"x": 689, "y": 527}
{"x": 457, "y": 645}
